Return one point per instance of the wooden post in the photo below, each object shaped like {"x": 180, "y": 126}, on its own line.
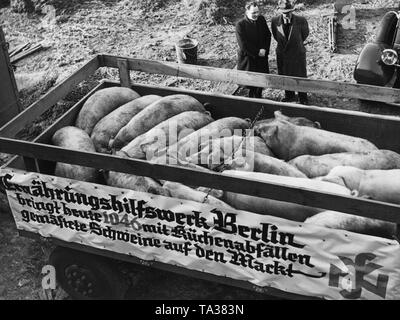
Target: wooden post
{"x": 397, "y": 235}
{"x": 124, "y": 73}
{"x": 31, "y": 164}
{"x": 9, "y": 103}
{"x": 11, "y": 128}
{"x": 247, "y": 78}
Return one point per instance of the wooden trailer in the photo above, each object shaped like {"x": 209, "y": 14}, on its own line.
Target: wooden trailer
{"x": 37, "y": 158}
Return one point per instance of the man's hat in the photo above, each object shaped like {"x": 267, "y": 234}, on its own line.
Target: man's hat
{"x": 285, "y": 6}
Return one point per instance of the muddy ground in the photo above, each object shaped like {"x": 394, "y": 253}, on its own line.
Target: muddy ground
{"x": 82, "y": 29}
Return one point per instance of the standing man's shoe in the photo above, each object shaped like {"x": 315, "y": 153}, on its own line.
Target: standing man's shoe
{"x": 304, "y": 101}
{"x": 288, "y": 99}
{"x": 303, "y": 98}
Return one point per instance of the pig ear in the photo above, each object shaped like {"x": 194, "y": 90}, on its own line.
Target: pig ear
{"x": 105, "y": 173}
{"x": 334, "y": 179}
{"x": 217, "y": 193}
{"x": 273, "y": 131}
{"x": 286, "y": 121}
{"x": 121, "y": 153}
{"x": 278, "y": 115}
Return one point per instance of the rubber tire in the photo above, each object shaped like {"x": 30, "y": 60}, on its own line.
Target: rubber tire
{"x": 104, "y": 271}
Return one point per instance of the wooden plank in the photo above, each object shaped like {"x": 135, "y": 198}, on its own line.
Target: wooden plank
{"x": 124, "y": 76}
{"x": 171, "y": 268}
{"x": 228, "y": 88}
{"x": 11, "y": 128}
{"x": 31, "y": 164}
{"x": 18, "y": 49}
{"x": 67, "y": 119}
{"x": 15, "y": 162}
{"x": 26, "y": 53}
{"x": 381, "y": 130}
{"x": 322, "y": 87}
{"x": 357, "y": 206}
{"x": 9, "y": 103}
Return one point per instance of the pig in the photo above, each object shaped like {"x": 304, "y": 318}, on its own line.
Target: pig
{"x": 256, "y": 162}
{"x": 288, "y": 141}
{"x": 153, "y": 142}
{"x": 229, "y": 145}
{"x": 133, "y": 182}
{"x": 180, "y": 191}
{"x": 286, "y": 210}
{"x": 353, "y": 223}
{"x": 224, "y": 127}
{"x": 218, "y": 152}
{"x": 298, "y": 121}
{"x": 379, "y": 185}
{"x": 316, "y": 166}
{"x": 169, "y": 160}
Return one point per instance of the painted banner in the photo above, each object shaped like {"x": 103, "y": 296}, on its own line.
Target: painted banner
{"x": 263, "y": 250}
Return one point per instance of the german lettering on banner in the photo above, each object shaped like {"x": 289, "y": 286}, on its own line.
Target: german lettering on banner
{"x": 263, "y": 250}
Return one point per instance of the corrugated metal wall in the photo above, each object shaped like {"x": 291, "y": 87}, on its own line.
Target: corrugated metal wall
{"x": 9, "y": 106}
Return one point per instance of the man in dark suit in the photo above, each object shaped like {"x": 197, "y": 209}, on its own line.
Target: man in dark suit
{"x": 254, "y": 38}
{"x": 290, "y": 31}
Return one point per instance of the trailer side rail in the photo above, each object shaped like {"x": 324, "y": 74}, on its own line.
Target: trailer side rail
{"x": 323, "y": 87}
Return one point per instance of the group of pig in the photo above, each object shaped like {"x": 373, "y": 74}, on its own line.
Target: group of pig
{"x": 290, "y": 151}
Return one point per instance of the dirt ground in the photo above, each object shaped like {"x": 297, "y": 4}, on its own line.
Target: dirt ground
{"x": 85, "y": 28}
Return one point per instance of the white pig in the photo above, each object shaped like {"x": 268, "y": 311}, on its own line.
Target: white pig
{"x": 353, "y": 223}
{"x": 298, "y": 121}
{"x": 316, "y": 166}
{"x": 288, "y": 141}
{"x": 380, "y": 185}
{"x": 254, "y": 161}
{"x": 287, "y": 210}
{"x": 180, "y": 191}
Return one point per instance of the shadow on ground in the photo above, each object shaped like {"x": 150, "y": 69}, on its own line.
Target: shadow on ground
{"x": 153, "y": 284}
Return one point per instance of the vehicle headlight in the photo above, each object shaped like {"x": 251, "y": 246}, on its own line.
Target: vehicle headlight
{"x": 389, "y": 57}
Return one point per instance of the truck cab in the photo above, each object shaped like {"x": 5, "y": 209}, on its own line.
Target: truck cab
{"x": 378, "y": 61}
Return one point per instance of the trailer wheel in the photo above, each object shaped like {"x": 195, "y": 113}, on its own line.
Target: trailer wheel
{"x": 87, "y": 276}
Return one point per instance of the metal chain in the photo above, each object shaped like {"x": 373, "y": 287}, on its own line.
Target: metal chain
{"x": 251, "y": 126}
{"x": 244, "y": 136}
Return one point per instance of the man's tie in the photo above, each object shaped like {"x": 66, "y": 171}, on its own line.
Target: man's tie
{"x": 286, "y": 20}
{"x": 286, "y": 26}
